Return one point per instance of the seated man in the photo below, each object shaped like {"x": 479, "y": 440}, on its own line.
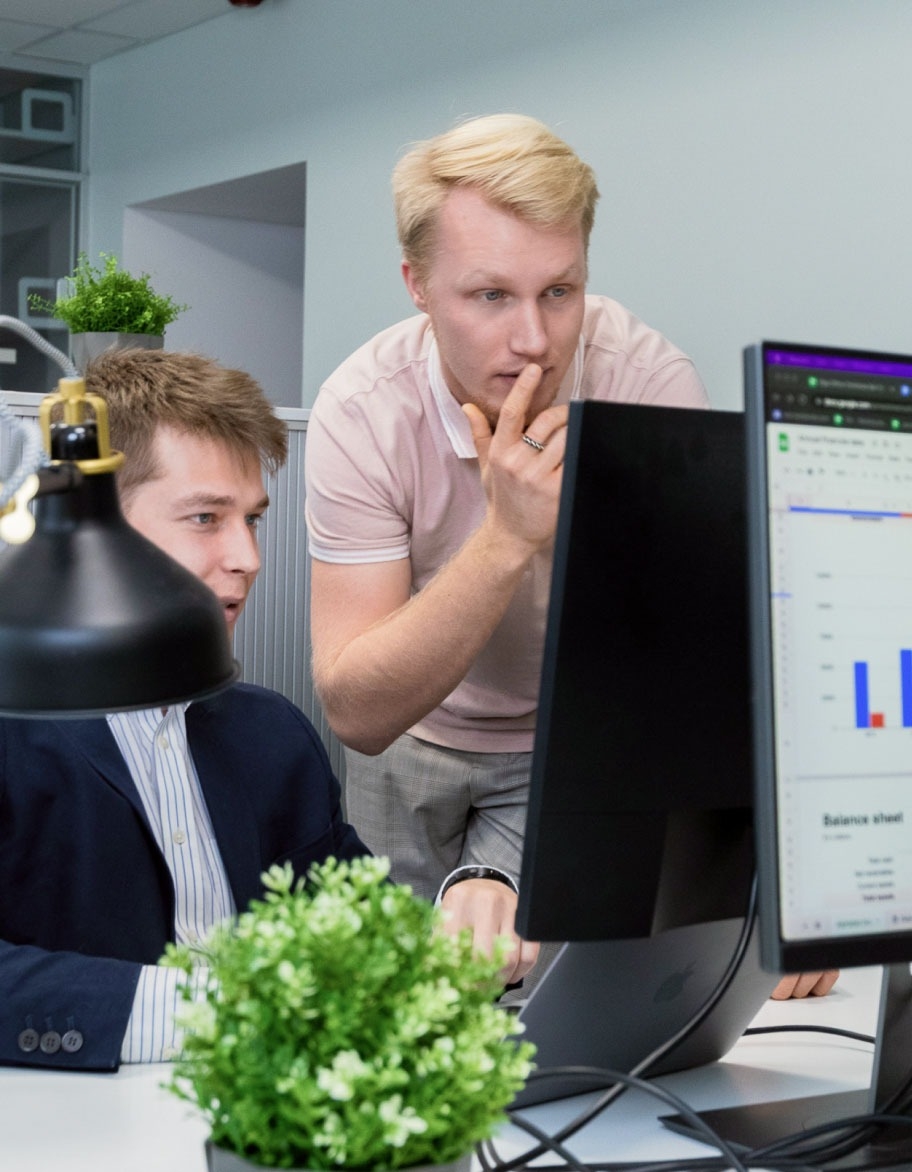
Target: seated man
{"x": 118, "y": 834}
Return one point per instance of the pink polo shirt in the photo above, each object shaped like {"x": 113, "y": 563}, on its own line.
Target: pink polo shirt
{"x": 391, "y": 472}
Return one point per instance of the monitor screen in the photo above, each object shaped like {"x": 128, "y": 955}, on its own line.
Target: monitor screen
{"x": 640, "y": 799}
{"x": 830, "y": 479}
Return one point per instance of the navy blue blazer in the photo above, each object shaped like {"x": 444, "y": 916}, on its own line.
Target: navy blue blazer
{"x": 85, "y": 895}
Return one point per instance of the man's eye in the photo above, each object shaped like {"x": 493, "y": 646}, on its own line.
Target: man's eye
{"x": 254, "y": 519}
{"x": 203, "y": 518}
{"x": 491, "y": 295}
{"x": 558, "y": 291}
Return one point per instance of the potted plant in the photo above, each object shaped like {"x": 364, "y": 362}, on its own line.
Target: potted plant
{"x": 339, "y": 1030}
{"x": 107, "y": 307}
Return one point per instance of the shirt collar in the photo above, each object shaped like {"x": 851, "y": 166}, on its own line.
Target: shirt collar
{"x": 455, "y": 423}
{"x": 149, "y": 719}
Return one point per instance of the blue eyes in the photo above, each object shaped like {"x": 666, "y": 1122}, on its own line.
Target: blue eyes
{"x": 491, "y": 296}
{"x": 207, "y": 520}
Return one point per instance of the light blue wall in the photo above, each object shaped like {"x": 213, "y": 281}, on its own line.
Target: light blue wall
{"x": 753, "y": 155}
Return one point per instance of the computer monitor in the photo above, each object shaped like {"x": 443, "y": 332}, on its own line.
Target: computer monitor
{"x": 829, "y": 446}
{"x": 829, "y": 480}
{"x": 638, "y": 849}
{"x": 830, "y": 474}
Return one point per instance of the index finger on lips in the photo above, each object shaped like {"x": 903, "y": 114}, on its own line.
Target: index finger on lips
{"x": 512, "y": 420}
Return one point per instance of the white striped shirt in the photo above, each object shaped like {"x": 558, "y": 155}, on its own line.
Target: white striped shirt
{"x": 154, "y": 746}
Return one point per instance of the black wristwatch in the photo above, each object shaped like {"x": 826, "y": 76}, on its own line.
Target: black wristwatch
{"x": 464, "y": 873}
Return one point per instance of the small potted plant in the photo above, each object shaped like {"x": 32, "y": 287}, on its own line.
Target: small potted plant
{"x": 107, "y": 307}
{"x": 340, "y": 1030}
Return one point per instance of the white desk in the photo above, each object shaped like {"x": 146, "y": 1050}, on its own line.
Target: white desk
{"x": 65, "y": 1122}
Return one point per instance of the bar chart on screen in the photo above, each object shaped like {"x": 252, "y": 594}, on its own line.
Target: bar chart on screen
{"x": 842, "y": 610}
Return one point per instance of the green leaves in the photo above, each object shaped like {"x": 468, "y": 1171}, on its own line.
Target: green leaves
{"x": 341, "y": 1030}
{"x": 109, "y": 300}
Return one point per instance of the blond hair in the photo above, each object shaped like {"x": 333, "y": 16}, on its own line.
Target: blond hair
{"x": 516, "y": 162}
{"x": 147, "y": 389}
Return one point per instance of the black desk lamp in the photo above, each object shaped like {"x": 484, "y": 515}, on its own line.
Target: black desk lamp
{"x": 94, "y": 618}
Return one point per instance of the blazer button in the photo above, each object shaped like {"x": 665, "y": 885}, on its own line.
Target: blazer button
{"x": 28, "y": 1041}
{"x": 71, "y": 1041}
{"x": 50, "y": 1042}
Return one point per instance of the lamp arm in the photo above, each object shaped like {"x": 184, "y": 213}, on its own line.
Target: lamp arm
{"x": 32, "y": 455}
{"x": 65, "y": 363}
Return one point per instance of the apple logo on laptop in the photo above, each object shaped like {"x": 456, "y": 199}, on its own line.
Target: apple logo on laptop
{"x": 673, "y": 985}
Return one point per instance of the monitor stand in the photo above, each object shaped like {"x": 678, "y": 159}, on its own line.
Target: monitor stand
{"x": 761, "y": 1124}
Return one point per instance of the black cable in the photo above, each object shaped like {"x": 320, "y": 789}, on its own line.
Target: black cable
{"x": 617, "y": 1077}
{"x": 550, "y": 1144}
{"x": 869, "y": 1123}
{"x": 809, "y": 1029}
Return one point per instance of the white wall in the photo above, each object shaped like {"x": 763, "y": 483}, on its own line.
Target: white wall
{"x": 753, "y": 155}
{"x": 242, "y": 281}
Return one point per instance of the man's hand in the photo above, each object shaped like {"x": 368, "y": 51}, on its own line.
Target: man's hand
{"x": 522, "y": 479}
{"x": 805, "y": 985}
{"x": 488, "y": 908}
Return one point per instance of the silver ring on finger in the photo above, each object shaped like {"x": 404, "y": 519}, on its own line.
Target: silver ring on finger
{"x": 533, "y": 443}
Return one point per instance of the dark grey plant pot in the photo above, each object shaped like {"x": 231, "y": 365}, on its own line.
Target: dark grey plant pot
{"x": 221, "y": 1160}
{"x": 86, "y": 346}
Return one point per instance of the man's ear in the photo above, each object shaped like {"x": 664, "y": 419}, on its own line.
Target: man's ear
{"x": 414, "y": 286}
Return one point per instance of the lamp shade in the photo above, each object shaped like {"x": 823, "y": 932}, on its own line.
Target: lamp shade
{"x": 95, "y": 618}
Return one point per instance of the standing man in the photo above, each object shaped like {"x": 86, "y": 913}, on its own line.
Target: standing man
{"x": 434, "y": 463}
{"x": 119, "y": 834}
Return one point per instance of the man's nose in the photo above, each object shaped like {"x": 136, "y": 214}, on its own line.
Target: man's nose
{"x": 241, "y": 553}
{"x": 530, "y": 338}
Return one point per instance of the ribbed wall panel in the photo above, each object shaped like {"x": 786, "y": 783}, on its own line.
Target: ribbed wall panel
{"x": 272, "y": 637}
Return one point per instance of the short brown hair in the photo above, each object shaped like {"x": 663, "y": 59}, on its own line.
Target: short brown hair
{"x": 147, "y": 389}
{"x": 516, "y": 162}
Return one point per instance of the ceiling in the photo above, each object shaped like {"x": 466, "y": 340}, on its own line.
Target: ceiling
{"x": 81, "y": 32}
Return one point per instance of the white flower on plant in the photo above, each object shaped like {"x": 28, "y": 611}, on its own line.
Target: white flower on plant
{"x": 332, "y": 1137}
{"x": 399, "y": 1122}
{"x": 330, "y": 914}
{"x": 429, "y": 1004}
{"x": 338, "y": 1081}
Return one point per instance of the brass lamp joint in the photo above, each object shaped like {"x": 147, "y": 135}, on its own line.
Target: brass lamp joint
{"x": 77, "y": 405}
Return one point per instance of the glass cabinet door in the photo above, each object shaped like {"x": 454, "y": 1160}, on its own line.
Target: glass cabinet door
{"x": 39, "y": 202}
{"x": 37, "y": 246}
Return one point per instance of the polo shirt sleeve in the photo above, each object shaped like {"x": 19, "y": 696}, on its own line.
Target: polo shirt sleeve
{"x": 353, "y": 506}
{"x": 627, "y": 361}
{"x": 675, "y": 384}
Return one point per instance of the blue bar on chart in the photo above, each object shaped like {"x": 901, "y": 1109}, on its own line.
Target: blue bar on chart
{"x": 905, "y": 685}
{"x": 862, "y": 707}
{"x": 864, "y": 717}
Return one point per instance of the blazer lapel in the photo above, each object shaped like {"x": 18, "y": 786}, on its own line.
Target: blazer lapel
{"x": 95, "y": 741}
{"x": 227, "y": 797}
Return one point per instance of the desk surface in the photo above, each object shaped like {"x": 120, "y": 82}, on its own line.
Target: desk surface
{"x": 126, "y": 1123}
